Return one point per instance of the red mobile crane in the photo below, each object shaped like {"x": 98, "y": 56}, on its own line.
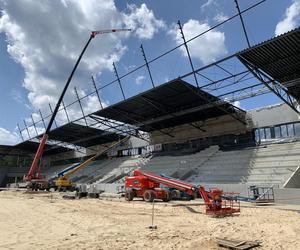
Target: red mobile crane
{"x": 148, "y": 186}
{"x": 33, "y": 177}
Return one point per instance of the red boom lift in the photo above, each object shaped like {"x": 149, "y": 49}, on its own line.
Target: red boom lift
{"x": 33, "y": 178}
{"x": 148, "y": 186}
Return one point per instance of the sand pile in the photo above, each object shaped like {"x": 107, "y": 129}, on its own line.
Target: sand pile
{"x": 48, "y": 222}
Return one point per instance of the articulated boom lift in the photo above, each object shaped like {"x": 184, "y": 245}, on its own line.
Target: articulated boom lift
{"x": 62, "y": 181}
{"x": 34, "y": 178}
{"x": 148, "y": 186}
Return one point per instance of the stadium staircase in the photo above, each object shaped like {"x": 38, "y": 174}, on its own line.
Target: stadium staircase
{"x": 267, "y": 165}
{"x": 180, "y": 167}
{"x": 119, "y": 167}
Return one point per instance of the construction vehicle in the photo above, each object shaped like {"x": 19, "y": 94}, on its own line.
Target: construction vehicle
{"x": 176, "y": 194}
{"x": 66, "y": 170}
{"x": 60, "y": 174}
{"x": 34, "y": 178}
{"x": 62, "y": 182}
{"x": 148, "y": 186}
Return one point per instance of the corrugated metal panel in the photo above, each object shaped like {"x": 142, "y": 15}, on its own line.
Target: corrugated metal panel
{"x": 32, "y": 147}
{"x": 156, "y": 107}
{"x": 279, "y": 57}
{"x": 82, "y": 135}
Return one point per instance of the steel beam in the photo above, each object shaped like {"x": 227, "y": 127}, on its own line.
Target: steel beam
{"x": 97, "y": 92}
{"x": 162, "y": 108}
{"x": 119, "y": 80}
{"x": 147, "y": 65}
{"x": 80, "y": 105}
{"x": 271, "y": 84}
{"x": 65, "y": 109}
{"x": 188, "y": 52}
{"x": 126, "y": 115}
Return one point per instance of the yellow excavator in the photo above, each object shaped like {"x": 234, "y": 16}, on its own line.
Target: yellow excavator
{"x": 62, "y": 182}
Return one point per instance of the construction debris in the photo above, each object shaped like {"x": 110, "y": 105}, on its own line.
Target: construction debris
{"x": 237, "y": 244}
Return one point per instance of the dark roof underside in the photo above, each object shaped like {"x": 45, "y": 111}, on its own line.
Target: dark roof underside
{"x": 173, "y": 103}
{"x": 279, "y": 58}
{"x": 32, "y": 147}
{"x": 82, "y": 135}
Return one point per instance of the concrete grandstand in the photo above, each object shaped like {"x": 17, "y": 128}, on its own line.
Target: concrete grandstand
{"x": 184, "y": 132}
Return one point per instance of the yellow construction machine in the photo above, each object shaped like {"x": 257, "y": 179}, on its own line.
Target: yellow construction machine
{"x": 62, "y": 182}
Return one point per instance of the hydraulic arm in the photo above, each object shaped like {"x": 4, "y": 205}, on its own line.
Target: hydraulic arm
{"x": 147, "y": 186}
{"x": 34, "y": 172}
{"x": 63, "y": 181}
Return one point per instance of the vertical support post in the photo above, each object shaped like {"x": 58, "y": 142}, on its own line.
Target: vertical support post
{"x": 242, "y": 21}
{"x": 27, "y": 129}
{"x": 20, "y": 131}
{"x": 41, "y": 115}
{"x": 97, "y": 92}
{"x": 52, "y": 114}
{"x": 33, "y": 123}
{"x": 63, "y": 103}
{"x": 119, "y": 81}
{"x": 188, "y": 52}
{"x": 80, "y": 105}
{"x": 147, "y": 64}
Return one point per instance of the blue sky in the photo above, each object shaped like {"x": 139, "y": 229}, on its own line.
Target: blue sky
{"x": 40, "y": 40}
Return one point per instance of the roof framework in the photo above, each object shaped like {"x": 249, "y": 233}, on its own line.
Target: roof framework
{"x": 32, "y": 146}
{"x": 279, "y": 58}
{"x": 213, "y": 87}
{"x": 167, "y": 105}
{"x": 81, "y": 135}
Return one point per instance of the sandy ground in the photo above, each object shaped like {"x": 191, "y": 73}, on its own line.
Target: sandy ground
{"x": 46, "y": 221}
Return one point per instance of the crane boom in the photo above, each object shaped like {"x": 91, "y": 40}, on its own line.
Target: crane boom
{"x": 97, "y": 32}
{"x": 33, "y": 171}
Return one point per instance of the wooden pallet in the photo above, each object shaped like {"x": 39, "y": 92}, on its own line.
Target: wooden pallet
{"x": 237, "y": 244}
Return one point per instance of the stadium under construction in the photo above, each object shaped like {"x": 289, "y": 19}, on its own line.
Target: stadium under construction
{"x": 185, "y": 131}
{"x": 182, "y": 139}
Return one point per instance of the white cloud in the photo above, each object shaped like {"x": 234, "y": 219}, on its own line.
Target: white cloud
{"x": 291, "y": 18}
{"x": 46, "y": 37}
{"x": 220, "y": 17}
{"x": 143, "y": 21}
{"x": 207, "y": 48}
{"x": 139, "y": 80}
{"x": 207, "y": 4}
{"x": 16, "y": 95}
{"x": 7, "y": 137}
{"x": 33, "y": 132}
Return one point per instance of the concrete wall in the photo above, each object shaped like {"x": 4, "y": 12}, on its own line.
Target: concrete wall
{"x": 97, "y": 148}
{"x": 242, "y": 189}
{"x": 108, "y": 187}
{"x": 294, "y": 180}
{"x": 3, "y": 171}
{"x": 213, "y": 127}
{"x": 63, "y": 156}
{"x": 132, "y": 142}
{"x": 287, "y": 196}
{"x": 272, "y": 115}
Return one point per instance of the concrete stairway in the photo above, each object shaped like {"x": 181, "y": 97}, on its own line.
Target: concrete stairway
{"x": 179, "y": 166}
{"x": 121, "y": 167}
{"x": 268, "y": 165}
